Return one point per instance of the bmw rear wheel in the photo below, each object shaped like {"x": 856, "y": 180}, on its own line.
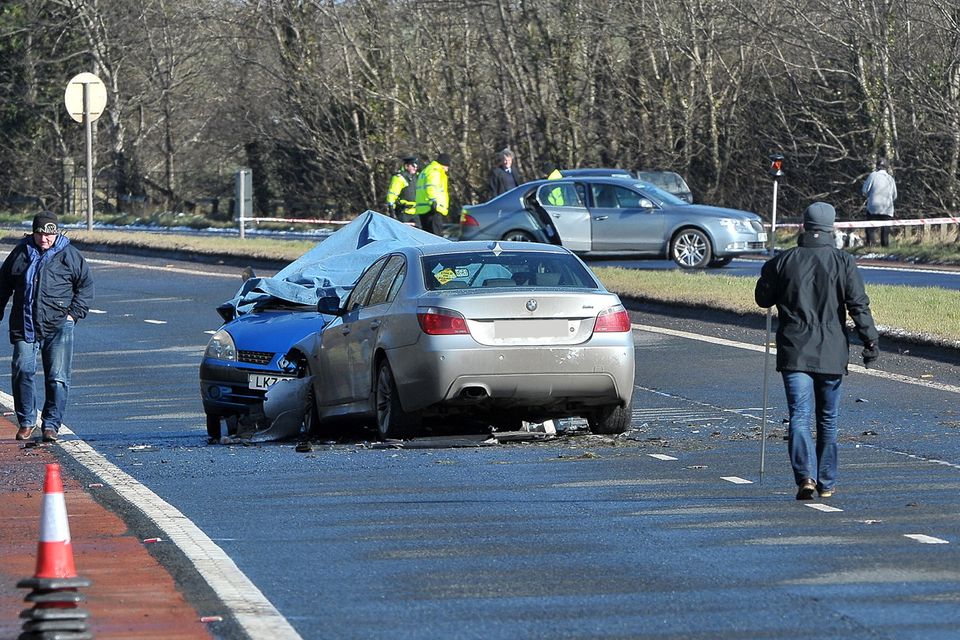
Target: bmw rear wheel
{"x": 611, "y": 420}
{"x": 517, "y": 236}
{"x": 690, "y": 249}
{"x": 392, "y": 420}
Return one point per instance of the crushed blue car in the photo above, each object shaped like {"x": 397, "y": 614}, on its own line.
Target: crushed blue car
{"x": 245, "y": 356}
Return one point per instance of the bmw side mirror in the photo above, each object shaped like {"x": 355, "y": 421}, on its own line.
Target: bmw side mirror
{"x": 329, "y": 305}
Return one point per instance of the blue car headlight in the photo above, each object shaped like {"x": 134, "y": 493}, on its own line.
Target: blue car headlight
{"x": 736, "y": 225}
{"x": 221, "y": 347}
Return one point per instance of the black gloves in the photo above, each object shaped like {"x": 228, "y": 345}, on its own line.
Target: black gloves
{"x": 871, "y": 351}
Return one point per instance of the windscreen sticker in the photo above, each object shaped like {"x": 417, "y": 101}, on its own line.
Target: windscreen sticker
{"x": 463, "y": 272}
{"x": 445, "y": 276}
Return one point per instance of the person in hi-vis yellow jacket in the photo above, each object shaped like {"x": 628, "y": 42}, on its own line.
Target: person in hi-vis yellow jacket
{"x": 433, "y": 196}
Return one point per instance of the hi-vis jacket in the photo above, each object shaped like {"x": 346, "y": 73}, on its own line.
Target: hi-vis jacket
{"x": 432, "y": 194}
{"x": 402, "y": 193}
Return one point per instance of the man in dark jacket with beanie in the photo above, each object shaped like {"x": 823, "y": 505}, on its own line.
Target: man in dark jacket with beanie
{"x": 815, "y": 285}
{"x": 52, "y": 289}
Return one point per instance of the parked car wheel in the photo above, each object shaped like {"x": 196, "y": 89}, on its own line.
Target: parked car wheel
{"x": 610, "y": 420}
{"x": 213, "y": 426}
{"x": 690, "y": 249}
{"x": 716, "y": 263}
{"x": 392, "y": 420}
{"x": 517, "y": 236}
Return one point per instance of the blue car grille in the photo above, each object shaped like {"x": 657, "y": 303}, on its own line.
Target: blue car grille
{"x": 255, "y": 357}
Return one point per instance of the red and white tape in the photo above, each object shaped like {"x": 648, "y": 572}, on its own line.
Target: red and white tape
{"x": 863, "y": 224}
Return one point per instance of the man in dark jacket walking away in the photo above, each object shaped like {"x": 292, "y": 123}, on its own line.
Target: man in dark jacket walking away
{"x": 52, "y": 289}
{"x": 815, "y": 285}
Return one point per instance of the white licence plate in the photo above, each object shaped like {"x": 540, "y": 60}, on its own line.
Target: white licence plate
{"x": 762, "y": 236}
{"x": 531, "y": 328}
{"x": 264, "y": 381}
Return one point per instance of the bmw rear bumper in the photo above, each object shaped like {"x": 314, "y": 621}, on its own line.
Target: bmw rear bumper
{"x": 455, "y": 370}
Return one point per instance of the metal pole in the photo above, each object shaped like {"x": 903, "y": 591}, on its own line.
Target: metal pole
{"x": 89, "y": 130}
{"x": 240, "y": 204}
{"x": 766, "y": 341}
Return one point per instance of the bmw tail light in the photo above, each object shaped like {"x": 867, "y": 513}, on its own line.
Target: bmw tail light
{"x": 436, "y": 321}
{"x": 468, "y": 220}
{"x": 613, "y": 320}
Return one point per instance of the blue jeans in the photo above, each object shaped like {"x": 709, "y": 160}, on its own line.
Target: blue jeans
{"x": 806, "y": 393}
{"x": 56, "y": 352}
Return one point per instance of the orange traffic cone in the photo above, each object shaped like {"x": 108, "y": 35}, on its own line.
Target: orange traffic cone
{"x": 55, "y": 596}
{"x": 54, "y": 551}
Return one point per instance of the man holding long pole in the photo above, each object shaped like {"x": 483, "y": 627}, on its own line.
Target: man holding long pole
{"x": 814, "y": 286}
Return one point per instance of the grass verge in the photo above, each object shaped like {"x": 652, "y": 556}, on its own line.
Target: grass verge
{"x": 921, "y": 312}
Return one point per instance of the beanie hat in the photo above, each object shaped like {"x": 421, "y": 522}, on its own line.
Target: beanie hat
{"x": 46, "y": 222}
{"x": 819, "y": 216}
{"x": 444, "y": 159}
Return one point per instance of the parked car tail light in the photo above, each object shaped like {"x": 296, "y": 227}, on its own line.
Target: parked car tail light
{"x": 613, "y": 320}
{"x": 436, "y": 321}
{"x": 468, "y": 220}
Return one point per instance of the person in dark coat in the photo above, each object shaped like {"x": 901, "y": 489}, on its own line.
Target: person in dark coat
{"x": 814, "y": 286}
{"x": 504, "y": 175}
{"x": 52, "y": 290}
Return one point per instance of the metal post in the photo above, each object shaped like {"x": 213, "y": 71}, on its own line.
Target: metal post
{"x": 766, "y": 342}
{"x": 88, "y": 125}
{"x": 240, "y": 204}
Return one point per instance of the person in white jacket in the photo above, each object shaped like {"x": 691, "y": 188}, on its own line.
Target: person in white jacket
{"x": 880, "y": 190}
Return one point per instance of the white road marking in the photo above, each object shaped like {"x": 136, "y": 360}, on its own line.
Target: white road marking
{"x": 251, "y": 609}
{"x": 661, "y": 456}
{"x": 155, "y": 321}
{"x": 95, "y": 311}
{"x": 823, "y": 507}
{"x": 886, "y": 375}
{"x": 736, "y": 480}
{"x": 148, "y": 267}
{"x": 913, "y": 455}
{"x": 924, "y": 539}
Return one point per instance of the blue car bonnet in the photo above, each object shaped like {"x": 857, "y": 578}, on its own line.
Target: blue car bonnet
{"x": 331, "y": 267}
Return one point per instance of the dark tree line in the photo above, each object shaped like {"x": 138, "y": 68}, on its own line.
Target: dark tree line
{"x": 320, "y": 97}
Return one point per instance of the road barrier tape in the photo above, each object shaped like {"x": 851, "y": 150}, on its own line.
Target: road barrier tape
{"x": 303, "y": 220}
{"x": 867, "y": 224}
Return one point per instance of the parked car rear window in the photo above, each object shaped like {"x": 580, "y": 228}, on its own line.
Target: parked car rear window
{"x": 505, "y": 269}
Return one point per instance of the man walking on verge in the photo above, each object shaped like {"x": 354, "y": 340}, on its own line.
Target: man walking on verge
{"x": 402, "y": 192}
{"x": 815, "y": 285}
{"x": 52, "y": 289}
{"x": 433, "y": 197}
{"x": 881, "y": 190}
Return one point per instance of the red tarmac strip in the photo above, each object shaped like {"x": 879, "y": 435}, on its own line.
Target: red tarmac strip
{"x": 132, "y": 596}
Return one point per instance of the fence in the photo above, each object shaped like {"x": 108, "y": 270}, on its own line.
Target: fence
{"x": 925, "y": 224}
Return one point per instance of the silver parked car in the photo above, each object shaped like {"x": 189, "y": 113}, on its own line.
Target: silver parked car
{"x": 498, "y": 331}
{"x": 616, "y": 215}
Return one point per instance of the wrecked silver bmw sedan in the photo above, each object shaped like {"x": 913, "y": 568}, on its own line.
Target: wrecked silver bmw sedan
{"x": 502, "y": 332}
